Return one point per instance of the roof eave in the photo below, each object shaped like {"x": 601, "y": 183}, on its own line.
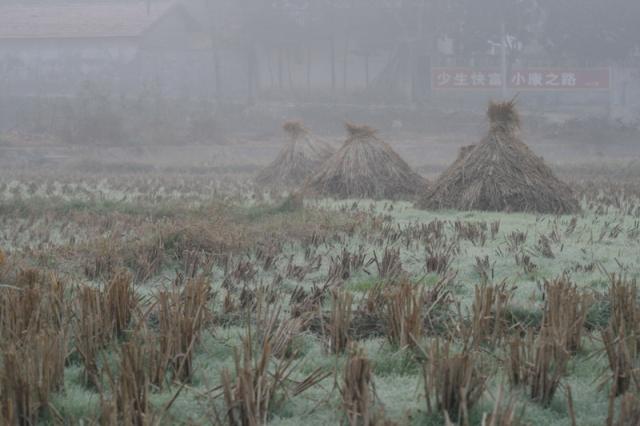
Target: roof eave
{"x": 66, "y": 37}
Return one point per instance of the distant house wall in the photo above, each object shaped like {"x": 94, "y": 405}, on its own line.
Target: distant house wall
{"x": 202, "y": 52}
{"x": 59, "y": 67}
{"x": 172, "y": 55}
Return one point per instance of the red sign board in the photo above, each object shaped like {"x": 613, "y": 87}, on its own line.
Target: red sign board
{"x": 521, "y": 79}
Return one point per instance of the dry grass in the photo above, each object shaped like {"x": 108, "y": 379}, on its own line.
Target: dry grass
{"x": 32, "y": 301}
{"x": 390, "y": 266}
{"x": 404, "y": 306}
{"x": 453, "y": 383}
{"x": 625, "y": 312}
{"x": 629, "y": 412}
{"x": 121, "y": 302}
{"x": 294, "y": 128}
{"x": 488, "y": 322}
{"x": 128, "y": 405}
{"x": 565, "y": 312}
{"x": 278, "y": 332}
{"x": 538, "y": 363}
{"x": 102, "y": 315}
{"x": 500, "y": 174}
{"x": 34, "y": 321}
{"x": 621, "y": 363}
{"x": 301, "y": 157}
{"x": 155, "y": 339}
{"x": 504, "y": 412}
{"x": 504, "y": 114}
{"x": 262, "y": 383}
{"x": 182, "y": 315}
{"x": 346, "y": 264}
{"x": 365, "y": 167}
{"x": 360, "y": 131}
{"x": 92, "y": 331}
{"x": 440, "y": 253}
{"x": 357, "y": 389}
{"x": 339, "y": 321}
{"x": 32, "y": 371}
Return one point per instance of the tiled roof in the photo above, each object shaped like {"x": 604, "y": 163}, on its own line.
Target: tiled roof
{"x": 80, "y": 20}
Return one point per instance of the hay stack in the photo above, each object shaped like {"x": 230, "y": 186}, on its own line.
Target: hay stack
{"x": 365, "y": 167}
{"x": 500, "y": 174}
{"x": 301, "y": 157}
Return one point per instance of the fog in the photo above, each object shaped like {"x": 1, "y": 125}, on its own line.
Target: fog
{"x": 319, "y": 212}
{"x": 209, "y": 83}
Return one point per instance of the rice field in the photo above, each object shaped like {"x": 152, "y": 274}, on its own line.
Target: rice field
{"x": 176, "y": 298}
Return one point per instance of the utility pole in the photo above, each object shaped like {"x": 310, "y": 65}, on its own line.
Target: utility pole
{"x": 503, "y": 59}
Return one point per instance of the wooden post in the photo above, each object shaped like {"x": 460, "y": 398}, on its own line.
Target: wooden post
{"x": 333, "y": 63}
{"x": 309, "y": 69}
{"x": 366, "y": 69}
{"x": 252, "y": 72}
{"x": 290, "y": 75}
{"x": 344, "y": 65}
{"x": 216, "y": 70}
{"x": 280, "y": 69}
{"x": 612, "y": 93}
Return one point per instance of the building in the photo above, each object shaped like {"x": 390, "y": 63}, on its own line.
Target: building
{"x": 219, "y": 49}
{"x": 51, "y": 50}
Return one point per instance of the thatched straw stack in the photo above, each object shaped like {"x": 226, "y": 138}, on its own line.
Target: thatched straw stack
{"x": 500, "y": 174}
{"x": 365, "y": 167}
{"x": 302, "y": 156}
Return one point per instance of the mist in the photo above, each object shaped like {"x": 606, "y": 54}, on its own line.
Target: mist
{"x": 319, "y": 212}
{"x": 212, "y": 76}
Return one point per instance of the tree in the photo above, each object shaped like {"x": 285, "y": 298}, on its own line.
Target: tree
{"x": 591, "y": 30}
{"x": 474, "y": 24}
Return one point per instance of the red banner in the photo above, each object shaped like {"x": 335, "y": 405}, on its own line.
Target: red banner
{"x": 521, "y": 79}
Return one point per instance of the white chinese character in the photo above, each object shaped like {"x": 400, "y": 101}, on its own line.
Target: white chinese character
{"x": 518, "y": 79}
{"x": 535, "y": 79}
{"x": 478, "y": 79}
{"x": 443, "y": 78}
{"x": 568, "y": 79}
{"x": 460, "y": 79}
{"x": 495, "y": 79}
{"x": 552, "y": 79}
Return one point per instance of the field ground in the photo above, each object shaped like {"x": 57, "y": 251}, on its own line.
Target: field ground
{"x": 258, "y": 253}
